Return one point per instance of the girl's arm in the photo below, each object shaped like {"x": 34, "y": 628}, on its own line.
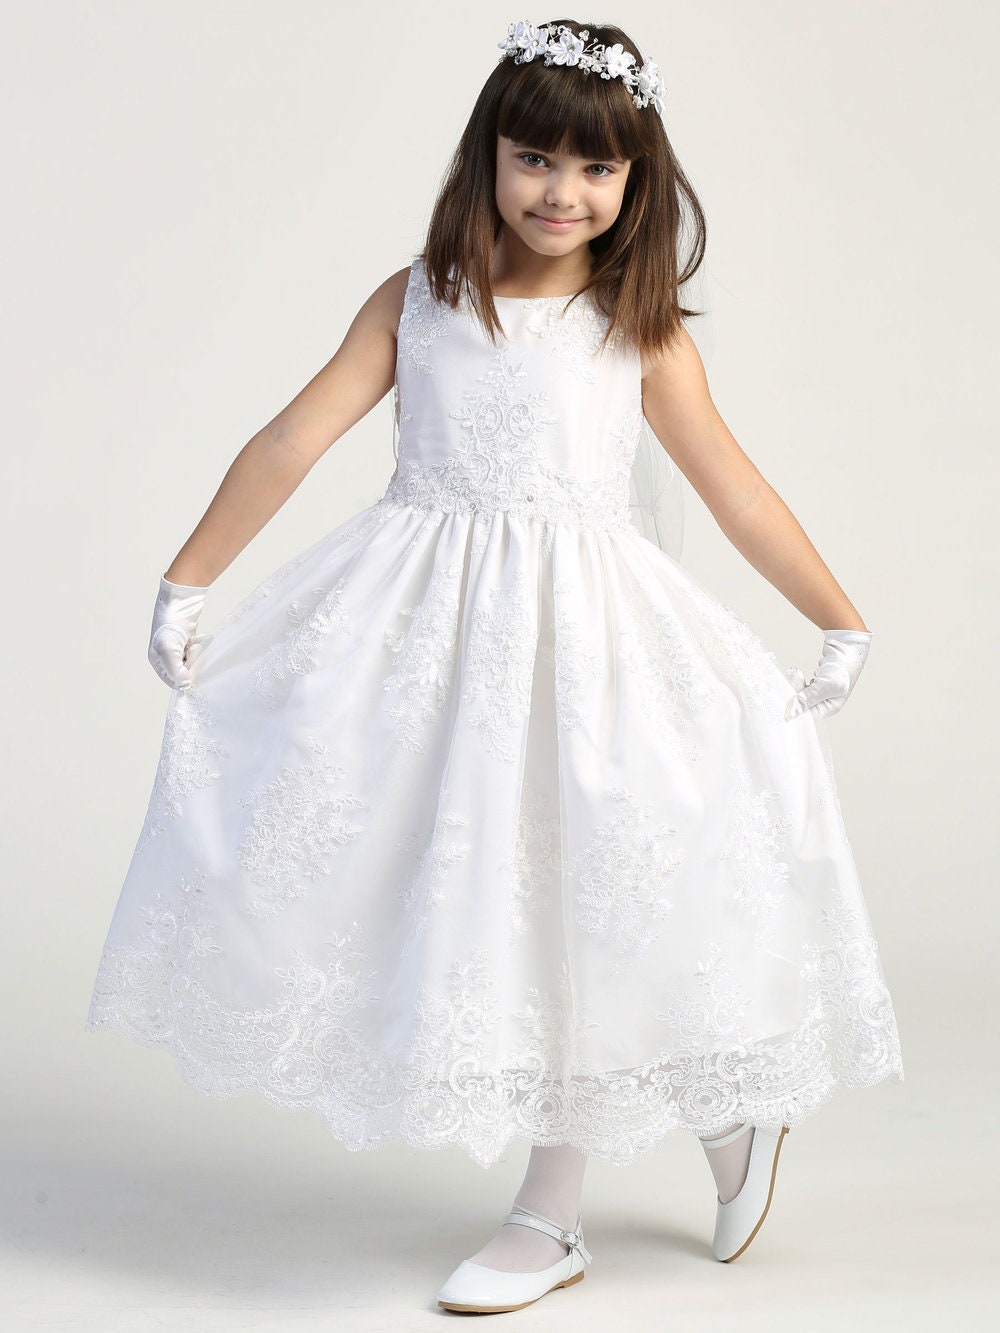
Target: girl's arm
{"x": 678, "y": 406}
{"x": 271, "y": 465}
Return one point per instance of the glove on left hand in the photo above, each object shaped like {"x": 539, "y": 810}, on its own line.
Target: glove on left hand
{"x": 844, "y": 654}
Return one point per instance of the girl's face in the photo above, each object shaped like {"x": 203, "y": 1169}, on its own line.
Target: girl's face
{"x": 581, "y": 195}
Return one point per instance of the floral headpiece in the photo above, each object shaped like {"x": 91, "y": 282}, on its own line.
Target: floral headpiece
{"x": 524, "y": 42}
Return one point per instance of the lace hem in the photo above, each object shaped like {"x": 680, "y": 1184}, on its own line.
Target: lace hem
{"x": 304, "y": 1053}
{"x": 481, "y": 1062}
{"x": 618, "y": 1118}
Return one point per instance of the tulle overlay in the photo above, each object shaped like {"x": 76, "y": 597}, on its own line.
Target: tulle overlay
{"x": 482, "y": 819}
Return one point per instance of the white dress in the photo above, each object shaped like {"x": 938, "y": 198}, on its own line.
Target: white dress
{"x": 482, "y": 819}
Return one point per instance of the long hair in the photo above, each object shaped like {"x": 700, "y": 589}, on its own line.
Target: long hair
{"x": 638, "y": 268}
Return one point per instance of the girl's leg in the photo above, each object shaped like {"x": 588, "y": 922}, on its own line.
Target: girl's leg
{"x": 730, "y": 1161}
{"x": 552, "y": 1185}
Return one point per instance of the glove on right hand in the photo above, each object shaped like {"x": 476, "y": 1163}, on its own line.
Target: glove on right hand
{"x": 173, "y": 645}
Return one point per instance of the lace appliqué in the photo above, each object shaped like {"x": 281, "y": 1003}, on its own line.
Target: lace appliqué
{"x": 740, "y": 654}
{"x": 264, "y": 588}
{"x": 621, "y": 875}
{"x": 360, "y": 527}
{"x": 494, "y": 466}
{"x": 758, "y": 836}
{"x": 535, "y": 868}
{"x": 424, "y": 659}
{"x": 701, "y": 1026}
{"x": 297, "y": 653}
{"x": 576, "y": 664}
{"x": 422, "y": 320}
{"x": 653, "y": 646}
{"x": 497, "y": 466}
{"x": 498, "y": 668}
{"x": 456, "y": 1092}
{"x": 181, "y": 923}
{"x": 423, "y": 879}
{"x": 575, "y": 332}
{"x": 853, "y": 1004}
{"x": 505, "y": 426}
{"x": 187, "y": 760}
{"x": 452, "y": 1025}
{"x": 297, "y": 822}
{"x": 480, "y": 539}
{"x": 552, "y": 1025}
{"x": 294, "y": 1053}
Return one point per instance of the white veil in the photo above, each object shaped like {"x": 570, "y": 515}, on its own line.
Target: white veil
{"x": 656, "y": 489}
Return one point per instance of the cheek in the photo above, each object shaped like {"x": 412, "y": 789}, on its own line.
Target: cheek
{"x": 616, "y": 201}
{"x": 513, "y": 192}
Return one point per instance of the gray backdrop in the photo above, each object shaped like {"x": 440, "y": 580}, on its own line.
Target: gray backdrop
{"x": 199, "y": 198}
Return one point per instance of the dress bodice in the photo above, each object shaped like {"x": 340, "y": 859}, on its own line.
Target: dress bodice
{"x": 544, "y": 423}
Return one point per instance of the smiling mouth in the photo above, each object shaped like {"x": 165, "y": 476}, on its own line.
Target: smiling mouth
{"x": 557, "y": 222}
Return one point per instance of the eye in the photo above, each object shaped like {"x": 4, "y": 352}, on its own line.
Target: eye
{"x": 602, "y": 167}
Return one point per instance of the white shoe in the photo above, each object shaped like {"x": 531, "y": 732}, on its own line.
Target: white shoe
{"x": 739, "y": 1220}
{"x": 476, "y": 1289}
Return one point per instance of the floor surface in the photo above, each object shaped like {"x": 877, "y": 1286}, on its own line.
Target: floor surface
{"x": 171, "y": 1215}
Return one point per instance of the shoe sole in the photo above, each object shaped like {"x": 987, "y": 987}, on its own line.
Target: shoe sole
{"x": 501, "y": 1309}
{"x": 770, "y": 1192}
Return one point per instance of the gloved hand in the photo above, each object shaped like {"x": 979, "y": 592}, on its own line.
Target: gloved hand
{"x": 173, "y": 644}
{"x": 843, "y": 656}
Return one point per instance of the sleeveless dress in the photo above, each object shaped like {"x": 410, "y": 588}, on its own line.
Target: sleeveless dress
{"x": 482, "y": 820}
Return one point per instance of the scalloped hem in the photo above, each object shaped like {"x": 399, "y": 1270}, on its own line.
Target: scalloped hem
{"x": 621, "y": 1145}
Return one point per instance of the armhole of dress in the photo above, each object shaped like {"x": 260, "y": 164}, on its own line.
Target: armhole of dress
{"x": 415, "y": 265}
{"x": 408, "y": 295}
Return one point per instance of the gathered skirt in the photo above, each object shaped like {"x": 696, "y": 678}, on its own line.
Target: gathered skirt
{"x": 477, "y": 829}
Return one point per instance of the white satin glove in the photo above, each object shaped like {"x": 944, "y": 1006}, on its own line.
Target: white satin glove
{"x": 844, "y": 654}
{"x": 173, "y": 645}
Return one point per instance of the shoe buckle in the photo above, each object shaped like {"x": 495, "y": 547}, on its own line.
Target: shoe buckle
{"x": 570, "y": 1238}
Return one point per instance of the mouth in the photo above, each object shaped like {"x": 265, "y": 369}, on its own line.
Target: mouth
{"x": 556, "y": 224}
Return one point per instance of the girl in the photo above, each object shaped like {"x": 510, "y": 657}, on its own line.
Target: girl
{"x": 480, "y": 819}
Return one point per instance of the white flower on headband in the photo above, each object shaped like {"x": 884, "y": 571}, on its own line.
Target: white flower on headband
{"x": 617, "y": 61}
{"x": 566, "y": 49}
{"x": 527, "y": 40}
{"x": 650, "y": 84}
{"x": 524, "y": 42}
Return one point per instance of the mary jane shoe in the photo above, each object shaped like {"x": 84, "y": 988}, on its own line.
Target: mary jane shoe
{"x": 739, "y": 1220}
{"x": 476, "y": 1289}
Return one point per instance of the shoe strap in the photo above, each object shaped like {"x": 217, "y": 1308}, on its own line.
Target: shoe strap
{"x": 726, "y": 1138}
{"x": 574, "y": 1239}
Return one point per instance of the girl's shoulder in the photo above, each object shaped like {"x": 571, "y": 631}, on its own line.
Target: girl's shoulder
{"x": 674, "y": 365}
{"x": 385, "y": 304}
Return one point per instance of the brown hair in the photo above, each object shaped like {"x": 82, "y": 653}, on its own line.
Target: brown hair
{"x": 637, "y": 266}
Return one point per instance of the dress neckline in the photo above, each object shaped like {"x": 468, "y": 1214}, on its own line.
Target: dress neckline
{"x": 523, "y": 300}
{"x": 532, "y": 300}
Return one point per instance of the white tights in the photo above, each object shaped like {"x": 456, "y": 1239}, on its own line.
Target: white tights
{"x": 553, "y": 1184}
{"x": 729, "y": 1162}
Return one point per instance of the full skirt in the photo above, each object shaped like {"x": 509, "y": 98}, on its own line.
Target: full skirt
{"x": 472, "y": 829}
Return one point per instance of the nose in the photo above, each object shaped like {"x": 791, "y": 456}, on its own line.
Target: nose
{"x": 560, "y": 193}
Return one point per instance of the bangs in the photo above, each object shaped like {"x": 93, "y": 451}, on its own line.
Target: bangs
{"x": 560, "y": 109}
